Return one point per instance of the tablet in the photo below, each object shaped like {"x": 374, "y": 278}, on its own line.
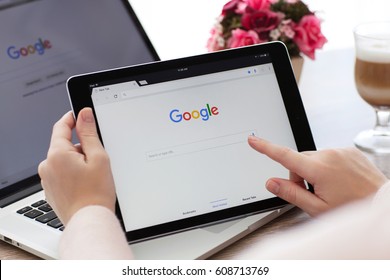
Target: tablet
{"x": 176, "y": 132}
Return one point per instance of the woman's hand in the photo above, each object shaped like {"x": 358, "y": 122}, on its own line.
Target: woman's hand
{"x": 74, "y": 176}
{"x": 338, "y": 176}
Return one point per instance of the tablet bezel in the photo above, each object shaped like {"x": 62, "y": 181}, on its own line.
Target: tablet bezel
{"x": 79, "y": 89}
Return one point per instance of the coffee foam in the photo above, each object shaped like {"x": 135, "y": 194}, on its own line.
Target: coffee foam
{"x": 377, "y": 52}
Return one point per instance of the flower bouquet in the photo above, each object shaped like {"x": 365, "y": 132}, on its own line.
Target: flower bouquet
{"x": 247, "y": 22}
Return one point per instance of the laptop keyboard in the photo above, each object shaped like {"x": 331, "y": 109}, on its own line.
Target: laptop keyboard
{"x": 42, "y": 212}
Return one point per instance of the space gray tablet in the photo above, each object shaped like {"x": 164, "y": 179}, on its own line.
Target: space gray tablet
{"x": 176, "y": 133}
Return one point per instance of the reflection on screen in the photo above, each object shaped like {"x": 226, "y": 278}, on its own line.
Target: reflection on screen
{"x": 7, "y": 4}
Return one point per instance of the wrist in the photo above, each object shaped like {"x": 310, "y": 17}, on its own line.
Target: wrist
{"x": 77, "y": 206}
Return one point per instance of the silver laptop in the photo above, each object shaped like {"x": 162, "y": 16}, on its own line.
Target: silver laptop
{"x": 187, "y": 182}
{"x": 43, "y": 42}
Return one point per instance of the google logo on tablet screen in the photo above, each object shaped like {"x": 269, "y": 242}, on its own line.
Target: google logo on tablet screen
{"x": 204, "y": 114}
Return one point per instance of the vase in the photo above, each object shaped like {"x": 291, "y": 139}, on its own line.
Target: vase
{"x": 297, "y": 65}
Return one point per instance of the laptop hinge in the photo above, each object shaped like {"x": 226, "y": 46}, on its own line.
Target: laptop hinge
{"x": 20, "y": 195}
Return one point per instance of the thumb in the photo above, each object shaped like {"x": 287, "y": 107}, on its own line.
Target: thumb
{"x": 295, "y": 194}
{"x": 87, "y": 132}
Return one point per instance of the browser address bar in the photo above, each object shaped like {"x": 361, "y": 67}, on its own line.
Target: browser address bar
{"x": 196, "y": 81}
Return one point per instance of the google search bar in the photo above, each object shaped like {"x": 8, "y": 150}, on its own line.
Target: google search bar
{"x": 40, "y": 66}
{"x": 200, "y": 146}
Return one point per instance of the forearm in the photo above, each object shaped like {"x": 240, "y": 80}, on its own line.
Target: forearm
{"x": 356, "y": 231}
{"x": 382, "y": 196}
{"x": 94, "y": 232}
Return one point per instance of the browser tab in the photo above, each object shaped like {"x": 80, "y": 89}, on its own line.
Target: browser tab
{"x": 117, "y": 87}
{"x": 112, "y": 93}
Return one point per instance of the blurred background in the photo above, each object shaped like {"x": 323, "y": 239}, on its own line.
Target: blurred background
{"x": 335, "y": 110}
{"x": 179, "y": 28}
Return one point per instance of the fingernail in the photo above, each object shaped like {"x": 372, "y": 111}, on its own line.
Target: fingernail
{"x": 87, "y": 116}
{"x": 273, "y": 186}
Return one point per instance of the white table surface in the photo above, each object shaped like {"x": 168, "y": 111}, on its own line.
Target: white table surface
{"x": 334, "y": 108}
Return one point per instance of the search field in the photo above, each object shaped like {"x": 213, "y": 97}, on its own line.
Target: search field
{"x": 199, "y": 146}
{"x": 37, "y": 67}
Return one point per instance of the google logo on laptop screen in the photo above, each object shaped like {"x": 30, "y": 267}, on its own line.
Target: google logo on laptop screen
{"x": 37, "y": 48}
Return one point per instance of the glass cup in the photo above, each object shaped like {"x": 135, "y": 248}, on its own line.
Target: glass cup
{"x": 372, "y": 78}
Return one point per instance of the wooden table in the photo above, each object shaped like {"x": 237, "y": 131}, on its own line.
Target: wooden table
{"x": 336, "y": 114}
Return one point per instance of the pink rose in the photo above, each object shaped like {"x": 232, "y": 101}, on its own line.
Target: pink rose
{"x": 262, "y": 22}
{"x": 259, "y": 4}
{"x": 242, "y": 38}
{"x": 234, "y": 6}
{"x": 308, "y": 36}
{"x": 231, "y": 6}
{"x": 287, "y": 28}
{"x": 241, "y": 8}
{"x": 216, "y": 41}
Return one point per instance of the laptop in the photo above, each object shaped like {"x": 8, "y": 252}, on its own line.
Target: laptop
{"x": 43, "y": 43}
{"x": 187, "y": 182}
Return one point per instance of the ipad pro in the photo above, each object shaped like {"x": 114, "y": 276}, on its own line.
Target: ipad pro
{"x": 176, "y": 133}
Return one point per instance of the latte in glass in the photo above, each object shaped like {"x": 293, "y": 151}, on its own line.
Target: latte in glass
{"x": 372, "y": 75}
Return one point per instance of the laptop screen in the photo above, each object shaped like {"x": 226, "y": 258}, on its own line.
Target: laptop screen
{"x": 176, "y": 133}
{"x": 43, "y": 42}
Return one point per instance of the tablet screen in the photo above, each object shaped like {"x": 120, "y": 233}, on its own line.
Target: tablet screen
{"x": 177, "y": 140}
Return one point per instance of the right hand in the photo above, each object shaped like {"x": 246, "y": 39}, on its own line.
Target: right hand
{"x": 338, "y": 176}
